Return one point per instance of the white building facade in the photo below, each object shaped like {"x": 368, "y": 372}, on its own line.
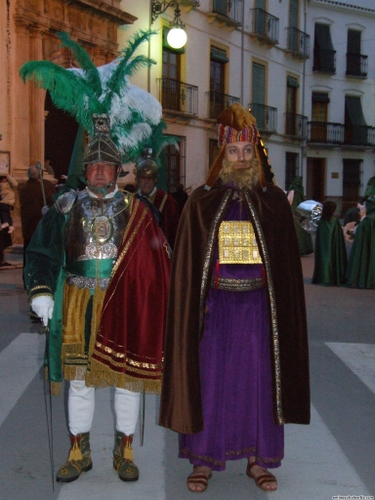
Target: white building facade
{"x": 304, "y": 67}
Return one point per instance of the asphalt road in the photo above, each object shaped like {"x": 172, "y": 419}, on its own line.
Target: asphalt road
{"x": 332, "y": 457}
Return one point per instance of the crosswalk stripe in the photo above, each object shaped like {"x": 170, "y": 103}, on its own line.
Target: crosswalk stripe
{"x": 19, "y": 363}
{"x": 360, "y": 358}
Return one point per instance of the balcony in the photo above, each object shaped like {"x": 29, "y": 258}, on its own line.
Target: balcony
{"x": 296, "y": 125}
{"x": 266, "y": 117}
{"x": 298, "y": 43}
{"x": 338, "y": 134}
{"x": 325, "y": 61}
{"x": 264, "y": 27}
{"x": 219, "y": 101}
{"x": 356, "y": 65}
{"x": 226, "y": 13}
{"x": 325, "y": 132}
{"x": 178, "y": 96}
{"x": 359, "y": 135}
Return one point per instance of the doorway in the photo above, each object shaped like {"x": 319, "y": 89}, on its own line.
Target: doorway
{"x": 60, "y": 130}
{"x": 315, "y": 179}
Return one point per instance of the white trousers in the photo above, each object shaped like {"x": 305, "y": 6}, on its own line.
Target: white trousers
{"x": 81, "y": 406}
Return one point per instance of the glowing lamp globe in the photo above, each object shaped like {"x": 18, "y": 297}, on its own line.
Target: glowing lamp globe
{"x": 177, "y": 38}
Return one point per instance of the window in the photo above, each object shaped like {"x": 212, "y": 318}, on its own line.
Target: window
{"x": 171, "y": 72}
{"x": 218, "y": 60}
{"x": 291, "y": 125}
{"x": 291, "y": 168}
{"x": 356, "y": 64}
{"x": 355, "y": 124}
{"x": 175, "y": 161}
{"x": 319, "y": 116}
{"x": 324, "y": 55}
{"x": 259, "y": 93}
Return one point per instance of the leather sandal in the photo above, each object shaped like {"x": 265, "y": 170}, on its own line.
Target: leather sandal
{"x": 263, "y": 479}
{"x": 198, "y": 478}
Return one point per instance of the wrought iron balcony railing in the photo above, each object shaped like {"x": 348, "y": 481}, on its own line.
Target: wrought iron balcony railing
{"x": 178, "y": 96}
{"x": 229, "y": 9}
{"x": 356, "y": 65}
{"x": 359, "y": 135}
{"x": 296, "y": 125}
{"x": 337, "y": 133}
{"x": 266, "y": 117}
{"x": 324, "y": 60}
{"x": 298, "y": 43}
{"x": 325, "y": 132}
{"x": 219, "y": 101}
{"x": 265, "y": 26}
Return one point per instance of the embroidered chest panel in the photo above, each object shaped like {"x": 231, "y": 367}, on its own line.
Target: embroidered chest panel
{"x": 237, "y": 243}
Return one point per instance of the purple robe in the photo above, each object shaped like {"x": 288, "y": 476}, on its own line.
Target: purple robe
{"x": 236, "y": 375}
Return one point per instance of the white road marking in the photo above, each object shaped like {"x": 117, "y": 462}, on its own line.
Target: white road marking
{"x": 19, "y": 363}
{"x": 360, "y": 358}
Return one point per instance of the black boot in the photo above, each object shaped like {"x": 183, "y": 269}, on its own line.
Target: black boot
{"x": 79, "y": 459}
{"x": 123, "y": 458}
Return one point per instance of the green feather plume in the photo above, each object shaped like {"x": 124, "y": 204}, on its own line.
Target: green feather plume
{"x": 68, "y": 90}
{"x": 85, "y": 62}
{"x": 126, "y": 66}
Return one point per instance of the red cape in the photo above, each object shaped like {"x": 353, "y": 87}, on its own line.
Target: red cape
{"x": 129, "y": 342}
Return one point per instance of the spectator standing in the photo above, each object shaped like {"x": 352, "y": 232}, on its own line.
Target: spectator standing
{"x": 7, "y": 199}
{"x": 361, "y": 266}
{"x": 32, "y": 203}
{"x": 330, "y": 250}
{"x": 165, "y": 208}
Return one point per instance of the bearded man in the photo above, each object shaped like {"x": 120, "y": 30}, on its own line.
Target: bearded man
{"x": 236, "y": 353}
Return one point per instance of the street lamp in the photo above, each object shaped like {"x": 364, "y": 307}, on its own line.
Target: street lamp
{"x": 177, "y": 35}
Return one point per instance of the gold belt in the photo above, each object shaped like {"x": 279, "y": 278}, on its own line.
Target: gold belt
{"x": 236, "y": 285}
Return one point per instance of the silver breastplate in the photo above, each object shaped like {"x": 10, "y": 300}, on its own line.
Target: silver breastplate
{"x": 95, "y": 228}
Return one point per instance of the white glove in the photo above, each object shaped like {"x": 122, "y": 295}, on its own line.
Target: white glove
{"x": 45, "y": 209}
{"x": 43, "y": 307}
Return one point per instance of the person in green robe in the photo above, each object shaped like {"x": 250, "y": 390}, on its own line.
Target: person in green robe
{"x": 330, "y": 250}
{"x": 296, "y": 196}
{"x": 361, "y": 267}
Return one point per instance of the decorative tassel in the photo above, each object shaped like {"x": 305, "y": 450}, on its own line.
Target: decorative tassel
{"x": 128, "y": 450}
{"x": 75, "y": 452}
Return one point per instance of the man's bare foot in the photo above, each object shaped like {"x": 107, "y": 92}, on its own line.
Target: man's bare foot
{"x": 197, "y": 482}
{"x": 262, "y": 477}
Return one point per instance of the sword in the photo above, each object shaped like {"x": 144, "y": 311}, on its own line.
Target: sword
{"x": 48, "y": 408}
{"x": 143, "y": 412}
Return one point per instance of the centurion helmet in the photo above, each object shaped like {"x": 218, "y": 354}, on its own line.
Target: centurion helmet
{"x": 101, "y": 149}
{"x": 146, "y": 165}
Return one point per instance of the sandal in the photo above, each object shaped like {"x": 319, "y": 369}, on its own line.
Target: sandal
{"x": 199, "y": 477}
{"x": 263, "y": 479}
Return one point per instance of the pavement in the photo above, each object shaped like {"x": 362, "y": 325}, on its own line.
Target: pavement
{"x": 331, "y": 458}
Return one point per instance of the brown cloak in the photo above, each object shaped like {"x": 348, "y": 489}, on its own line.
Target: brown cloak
{"x": 270, "y": 213}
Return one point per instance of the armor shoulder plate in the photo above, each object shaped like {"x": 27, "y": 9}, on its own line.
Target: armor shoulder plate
{"x": 65, "y": 202}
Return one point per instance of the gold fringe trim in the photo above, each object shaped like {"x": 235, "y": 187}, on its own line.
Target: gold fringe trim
{"x": 101, "y": 375}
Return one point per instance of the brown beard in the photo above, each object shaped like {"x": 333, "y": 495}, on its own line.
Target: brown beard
{"x": 242, "y": 177}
